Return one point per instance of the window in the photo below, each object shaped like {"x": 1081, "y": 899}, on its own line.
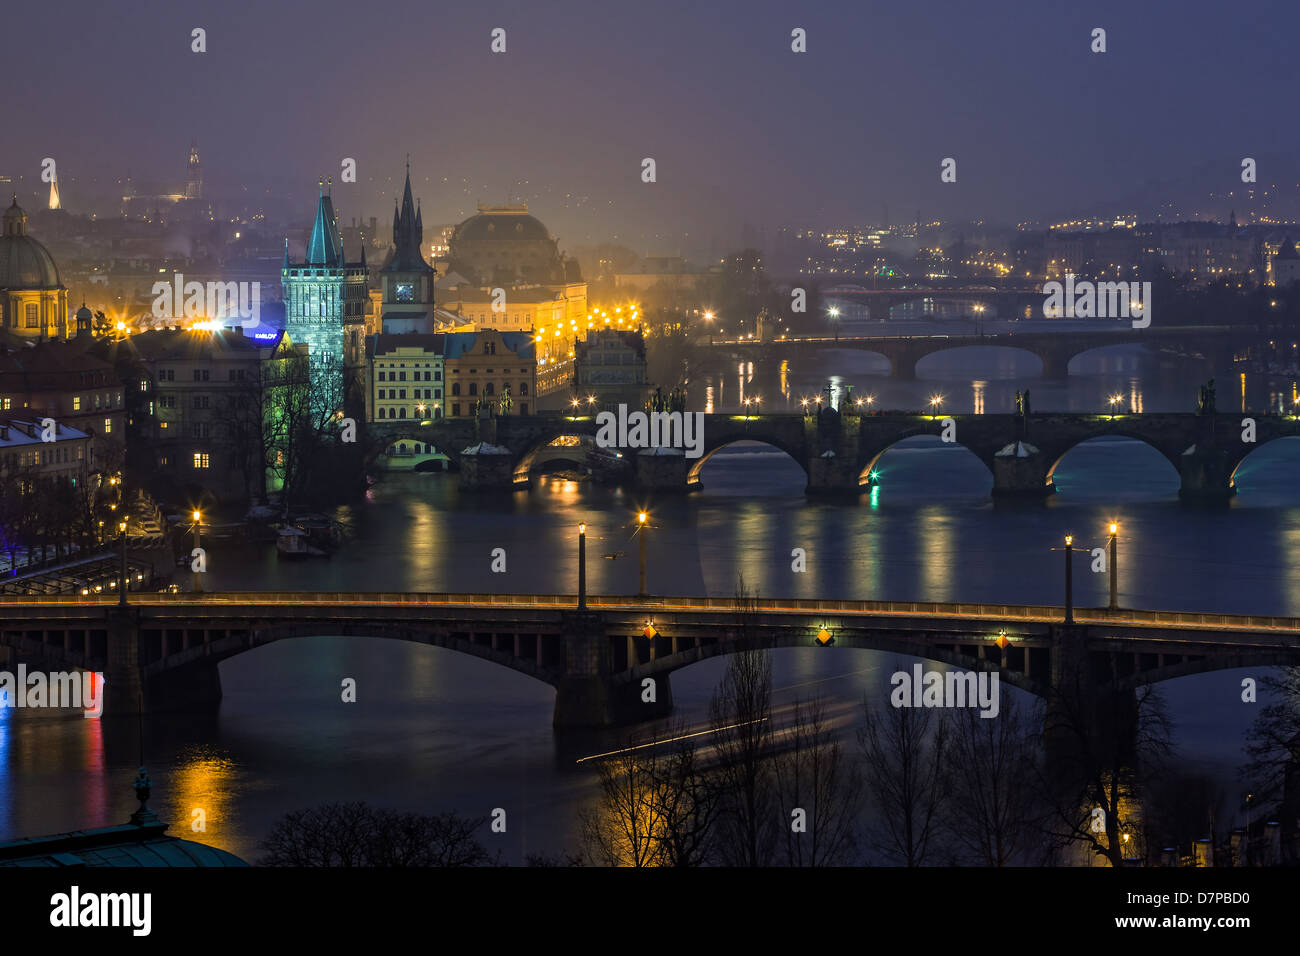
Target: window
{"x": 455, "y": 408}
{"x": 97, "y": 401}
{"x": 401, "y": 376}
{"x": 200, "y": 375}
{"x": 401, "y": 393}
{"x": 166, "y": 401}
{"x": 108, "y": 426}
{"x": 201, "y": 459}
{"x": 487, "y": 389}
{"x": 236, "y": 374}
{"x": 167, "y": 375}
{"x": 426, "y": 376}
{"x": 201, "y": 430}
{"x": 437, "y": 393}
{"x": 437, "y": 375}
{"x": 76, "y": 403}
{"x": 455, "y": 389}
{"x": 200, "y": 401}
{"x": 381, "y": 393}
{"x": 163, "y": 461}
{"x": 523, "y": 388}
{"x": 523, "y": 408}
{"x": 33, "y": 320}
{"x": 6, "y": 403}
{"x": 473, "y": 388}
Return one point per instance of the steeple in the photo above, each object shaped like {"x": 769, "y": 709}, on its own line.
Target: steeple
{"x": 324, "y": 248}
{"x": 408, "y": 233}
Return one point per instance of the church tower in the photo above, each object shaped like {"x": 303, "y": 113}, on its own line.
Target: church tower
{"x": 325, "y": 308}
{"x": 194, "y": 175}
{"x": 406, "y": 279}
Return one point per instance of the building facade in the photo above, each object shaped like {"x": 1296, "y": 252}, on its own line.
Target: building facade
{"x": 406, "y": 377}
{"x": 610, "y": 365}
{"x": 487, "y": 365}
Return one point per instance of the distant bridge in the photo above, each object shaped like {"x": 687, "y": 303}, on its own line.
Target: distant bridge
{"x": 1053, "y": 349}
{"x": 163, "y": 650}
{"x": 839, "y": 451}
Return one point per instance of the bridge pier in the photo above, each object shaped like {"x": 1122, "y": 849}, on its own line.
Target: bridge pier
{"x": 588, "y": 694}
{"x": 487, "y": 468}
{"x": 1020, "y": 471}
{"x": 123, "y": 681}
{"x": 662, "y": 469}
{"x": 831, "y": 475}
{"x": 1056, "y": 365}
{"x": 1206, "y": 476}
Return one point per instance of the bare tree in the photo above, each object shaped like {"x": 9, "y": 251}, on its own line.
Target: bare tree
{"x": 740, "y": 713}
{"x": 992, "y": 779}
{"x": 814, "y": 775}
{"x": 905, "y": 749}
{"x": 1103, "y": 742}
{"x": 625, "y": 826}
{"x": 356, "y": 834}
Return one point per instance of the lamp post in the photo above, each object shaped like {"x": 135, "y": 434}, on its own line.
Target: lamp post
{"x": 198, "y": 544}
{"x": 1114, "y": 567}
{"x": 582, "y": 567}
{"x": 121, "y": 589}
{"x": 641, "y": 529}
{"x": 1069, "y": 579}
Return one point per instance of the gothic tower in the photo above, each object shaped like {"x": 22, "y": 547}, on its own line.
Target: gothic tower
{"x": 325, "y": 308}
{"x": 406, "y": 279}
{"x": 194, "y": 175}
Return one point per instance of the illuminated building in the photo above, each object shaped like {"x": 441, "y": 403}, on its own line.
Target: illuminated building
{"x": 485, "y": 364}
{"x": 33, "y": 302}
{"x": 610, "y": 364}
{"x": 405, "y": 376}
{"x": 406, "y": 280}
{"x": 325, "y": 300}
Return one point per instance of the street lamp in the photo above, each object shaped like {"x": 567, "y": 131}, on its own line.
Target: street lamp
{"x": 198, "y": 544}
{"x": 1069, "y": 579}
{"x": 582, "y": 566}
{"x": 641, "y": 530}
{"x": 936, "y": 403}
{"x": 1114, "y": 400}
{"x": 1114, "y": 567}
{"x": 121, "y": 596}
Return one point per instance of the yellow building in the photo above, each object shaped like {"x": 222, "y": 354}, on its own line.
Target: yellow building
{"x": 33, "y": 302}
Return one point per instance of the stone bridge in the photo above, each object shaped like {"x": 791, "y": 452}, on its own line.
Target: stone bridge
{"x": 1053, "y": 349}
{"x": 838, "y": 451}
{"x": 162, "y": 652}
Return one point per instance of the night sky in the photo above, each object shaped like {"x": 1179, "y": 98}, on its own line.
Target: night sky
{"x": 742, "y": 129}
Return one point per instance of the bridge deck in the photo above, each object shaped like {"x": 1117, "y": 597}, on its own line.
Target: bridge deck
{"x": 285, "y": 604}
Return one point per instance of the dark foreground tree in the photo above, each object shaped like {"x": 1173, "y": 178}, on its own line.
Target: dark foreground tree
{"x": 905, "y": 749}
{"x": 819, "y": 788}
{"x": 357, "y": 834}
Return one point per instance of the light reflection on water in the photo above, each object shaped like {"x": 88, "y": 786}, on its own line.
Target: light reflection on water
{"x": 434, "y": 730}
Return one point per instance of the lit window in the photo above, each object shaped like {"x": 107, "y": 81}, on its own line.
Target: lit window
{"x": 200, "y": 459}
{"x": 76, "y": 403}
{"x": 108, "y": 426}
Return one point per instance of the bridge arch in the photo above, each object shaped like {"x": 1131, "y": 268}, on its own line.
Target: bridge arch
{"x": 871, "y": 463}
{"x": 712, "y": 448}
{"x": 232, "y": 645}
{"x": 1167, "y": 453}
{"x": 1269, "y": 460}
{"x": 1045, "y": 365}
{"x": 883, "y": 645}
{"x": 540, "y": 450}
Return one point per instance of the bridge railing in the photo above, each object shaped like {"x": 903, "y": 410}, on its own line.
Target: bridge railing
{"x": 10, "y": 605}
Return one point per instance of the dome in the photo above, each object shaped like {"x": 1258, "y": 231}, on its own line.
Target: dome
{"x": 505, "y": 223}
{"x": 24, "y": 262}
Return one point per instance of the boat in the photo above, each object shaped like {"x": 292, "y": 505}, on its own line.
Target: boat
{"x": 292, "y": 542}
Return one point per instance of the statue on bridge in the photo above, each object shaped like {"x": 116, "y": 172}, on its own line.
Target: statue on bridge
{"x": 1206, "y": 399}
{"x": 506, "y": 403}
